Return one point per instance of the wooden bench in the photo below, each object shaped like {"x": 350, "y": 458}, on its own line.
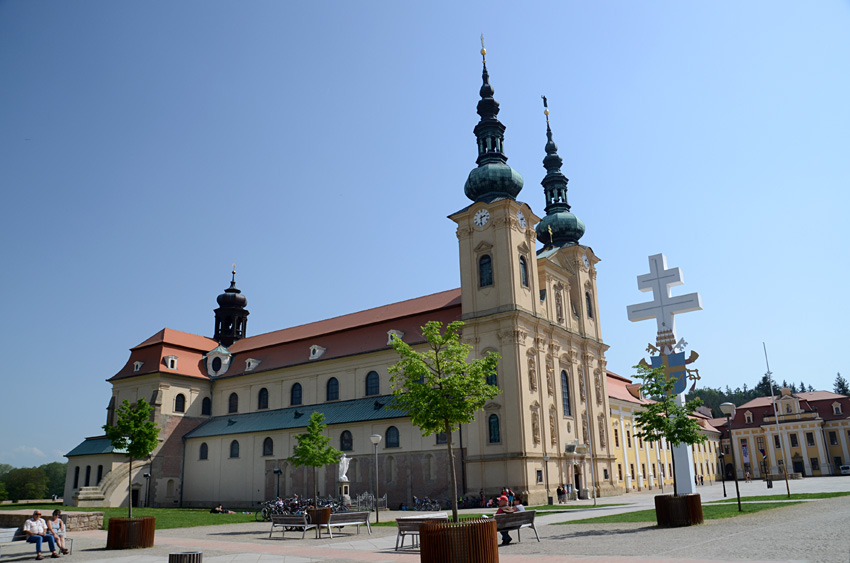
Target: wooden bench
{"x": 409, "y": 526}
{"x": 291, "y": 522}
{"x": 515, "y": 521}
{"x": 340, "y": 519}
{"x": 8, "y": 536}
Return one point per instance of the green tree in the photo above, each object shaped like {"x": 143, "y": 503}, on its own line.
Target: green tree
{"x": 314, "y": 449}
{"x": 26, "y": 483}
{"x": 5, "y": 468}
{"x": 664, "y": 418}
{"x": 840, "y": 385}
{"x": 3, "y": 494}
{"x": 134, "y": 433}
{"x": 55, "y": 473}
{"x": 438, "y": 389}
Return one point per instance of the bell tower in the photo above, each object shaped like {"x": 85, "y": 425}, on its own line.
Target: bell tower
{"x": 495, "y": 233}
{"x": 231, "y": 317}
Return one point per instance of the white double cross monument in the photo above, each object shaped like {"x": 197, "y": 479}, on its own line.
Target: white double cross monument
{"x": 662, "y": 308}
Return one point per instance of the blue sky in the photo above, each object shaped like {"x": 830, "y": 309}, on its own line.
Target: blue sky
{"x": 144, "y": 147}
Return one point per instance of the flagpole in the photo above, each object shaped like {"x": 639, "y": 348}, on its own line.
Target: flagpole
{"x": 776, "y": 418}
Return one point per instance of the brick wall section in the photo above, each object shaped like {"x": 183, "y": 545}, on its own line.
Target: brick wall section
{"x": 74, "y": 521}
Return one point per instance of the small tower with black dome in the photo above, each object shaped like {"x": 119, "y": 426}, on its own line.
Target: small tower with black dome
{"x": 231, "y": 316}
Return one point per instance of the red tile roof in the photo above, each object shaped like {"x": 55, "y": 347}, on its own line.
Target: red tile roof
{"x": 360, "y": 332}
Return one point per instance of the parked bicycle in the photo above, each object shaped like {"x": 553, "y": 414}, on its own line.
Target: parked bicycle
{"x": 425, "y": 504}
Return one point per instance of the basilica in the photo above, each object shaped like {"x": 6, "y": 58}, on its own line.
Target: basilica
{"x": 229, "y": 406}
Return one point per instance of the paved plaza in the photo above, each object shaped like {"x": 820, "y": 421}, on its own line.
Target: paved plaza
{"x": 816, "y": 531}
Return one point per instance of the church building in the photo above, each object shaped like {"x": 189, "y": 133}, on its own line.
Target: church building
{"x": 229, "y": 406}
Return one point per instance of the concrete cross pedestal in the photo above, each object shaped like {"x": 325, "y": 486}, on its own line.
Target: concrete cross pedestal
{"x": 663, "y": 309}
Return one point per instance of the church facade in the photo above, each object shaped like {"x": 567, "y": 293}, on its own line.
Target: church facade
{"x": 229, "y": 407}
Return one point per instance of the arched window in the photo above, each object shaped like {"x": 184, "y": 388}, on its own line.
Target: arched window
{"x": 99, "y": 474}
{"x": 392, "y": 437}
{"x": 493, "y": 378}
{"x": 589, "y": 302}
{"x": 206, "y": 406}
{"x": 346, "y": 443}
{"x": 180, "y": 403}
{"x": 234, "y": 448}
{"x": 295, "y": 394}
{"x": 373, "y": 383}
{"x": 495, "y": 433}
{"x": 205, "y": 451}
{"x": 523, "y": 271}
{"x": 263, "y": 399}
{"x": 565, "y": 393}
{"x": 485, "y": 271}
{"x": 88, "y": 475}
{"x": 268, "y": 446}
{"x": 77, "y": 477}
{"x": 233, "y": 403}
{"x": 333, "y": 389}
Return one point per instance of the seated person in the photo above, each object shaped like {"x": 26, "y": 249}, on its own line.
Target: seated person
{"x": 56, "y": 526}
{"x": 505, "y": 509}
{"x": 36, "y": 530}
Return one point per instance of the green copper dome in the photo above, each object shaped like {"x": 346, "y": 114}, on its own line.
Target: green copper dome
{"x": 493, "y": 178}
{"x": 559, "y": 227}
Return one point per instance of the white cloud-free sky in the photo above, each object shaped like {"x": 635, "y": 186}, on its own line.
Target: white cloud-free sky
{"x": 144, "y": 147}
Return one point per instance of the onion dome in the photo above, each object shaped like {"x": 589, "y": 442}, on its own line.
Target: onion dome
{"x": 493, "y": 178}
{"x": 231, "y": 316}
{"x": 559, "y": 227}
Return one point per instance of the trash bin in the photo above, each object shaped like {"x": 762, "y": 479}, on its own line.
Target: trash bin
{"x": 470, "y": 541}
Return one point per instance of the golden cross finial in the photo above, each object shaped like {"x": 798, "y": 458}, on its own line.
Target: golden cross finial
{"x": 483, "y": 50}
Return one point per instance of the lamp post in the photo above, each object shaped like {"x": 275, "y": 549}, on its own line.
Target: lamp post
{"x": 376, "y": 439}
{"x": 277, "y": 473}
{"x": 728, "y": 409}
{"x": 147, "y": 477}
{"x": 723, "y": 473}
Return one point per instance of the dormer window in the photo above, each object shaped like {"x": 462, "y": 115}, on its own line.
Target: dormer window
{"x": 748, "y": 416}
{"x": 137, "y": 366}
{"x": 788, "y": 409}
{"x": 836, "y": 408}
{"x": 217, "y": 361}
{"x": 251, "y": 363}
{"x": 393, "y": 332}
{"x": 171, "y": 362}
{"x": 316, "y": 351}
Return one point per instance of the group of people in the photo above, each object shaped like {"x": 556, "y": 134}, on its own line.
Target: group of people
{"x": 562, "y": 491}
{"x": 51, "y": 531}
{"x": 508, "y": 505}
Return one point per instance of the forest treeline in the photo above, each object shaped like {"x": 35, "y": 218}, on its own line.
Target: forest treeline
{"x": 23, "y": 483}
{"x": 712, "y": 398}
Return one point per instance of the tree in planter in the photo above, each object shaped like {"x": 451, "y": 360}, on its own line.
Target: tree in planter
{"x": 665, "y": 418}
{"x": 438, "y": 389}
{"x": 314, "y": 449}
{"x": 135, "y": 433}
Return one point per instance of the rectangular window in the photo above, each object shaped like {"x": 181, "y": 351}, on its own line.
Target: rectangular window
{"x": 653, "y": 471}
{"x": 777, "y": 443}
{"x": 815, "y": 464}
{"x": 810, "y": 438}
{"x": 539, "y": 475}
{"x": 670, "y": 468}
{"x": 620, "y": 471}
{"x": 833, "y": 438}
{"x": 632, "y": 470}
{"x": 616, "y": 438}
{"x": 794, "y": 442}
{"x": 760, "y": 444}
{"x": 643, "y": 469}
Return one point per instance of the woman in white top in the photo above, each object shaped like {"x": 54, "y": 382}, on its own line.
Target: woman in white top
{"x": 56, "y": 526}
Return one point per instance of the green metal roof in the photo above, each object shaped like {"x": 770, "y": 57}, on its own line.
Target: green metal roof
{"x": 343, "y": 412}
{"x": 94, "y": 446}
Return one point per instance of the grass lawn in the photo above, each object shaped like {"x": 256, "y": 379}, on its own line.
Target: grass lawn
{"x": 709, "y": 512}
{"x": 794, "y": 496}
{"x": 165, "y": 517}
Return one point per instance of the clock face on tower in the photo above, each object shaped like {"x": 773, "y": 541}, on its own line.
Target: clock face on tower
{"x": 521, "y": 218}
{"x": 481, "y": 217}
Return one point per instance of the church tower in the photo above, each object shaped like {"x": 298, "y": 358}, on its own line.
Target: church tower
{"x": 231, "y": 317}
{"x": 495, "y": 232}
